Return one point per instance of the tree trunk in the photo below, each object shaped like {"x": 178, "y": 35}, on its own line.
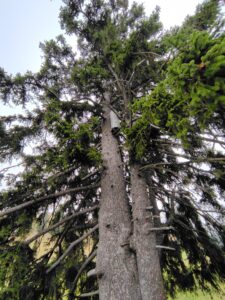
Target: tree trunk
{"x": 144, "y": 240}
{"x": 116, "y": 264}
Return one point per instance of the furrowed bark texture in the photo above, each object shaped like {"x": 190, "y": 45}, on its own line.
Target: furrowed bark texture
{"x": 149, "y": 271}
{"x": 116, "y": 264}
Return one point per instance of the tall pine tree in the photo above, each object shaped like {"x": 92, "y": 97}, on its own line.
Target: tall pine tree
{"x": 127, "y": 139}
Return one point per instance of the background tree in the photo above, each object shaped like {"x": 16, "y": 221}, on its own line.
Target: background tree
{"x": 158, "y": 180}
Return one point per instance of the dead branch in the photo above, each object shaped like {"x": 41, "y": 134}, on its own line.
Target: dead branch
{"x": 88, "y": 294}
{"x": 36, "y": 236}
{"x": 62, "y": 173}
{"x": 50, "y": 252}
{"x": 82, "y": 268}
{"x": 70, "y": 248}
{"x": 10, "y": 167}
{"x": 164, "y": 247}
{"x": 162, "y": 228}
{"x": 48, "y": 197}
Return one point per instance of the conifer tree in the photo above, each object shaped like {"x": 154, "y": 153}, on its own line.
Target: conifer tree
{"x": 128, "y": 139}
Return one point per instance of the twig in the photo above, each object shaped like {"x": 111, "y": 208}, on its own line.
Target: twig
{"x": 10, "y": 167}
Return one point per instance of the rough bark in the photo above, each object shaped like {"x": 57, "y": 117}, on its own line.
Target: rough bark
{"x": 144, "y": 240}
{"x": 116, "y": 264}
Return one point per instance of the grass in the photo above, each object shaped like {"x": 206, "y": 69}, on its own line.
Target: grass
{"x": 199, "y": 295}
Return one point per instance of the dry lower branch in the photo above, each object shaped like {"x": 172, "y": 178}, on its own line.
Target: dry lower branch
{"x": 90, "y": 174}
{"x": 82, "y": 268}
{"x": 50, "y": 252}
{"x": 165, "y": 247}
{"x": 48, "y": 197}
{"x": 161, "y": 228}
{"x": 70, "y": 248}
{"x": 36, "y": 236}
{"x": 90, "y": 294}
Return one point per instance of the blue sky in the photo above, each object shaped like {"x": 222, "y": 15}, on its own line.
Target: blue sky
{"x": 23, "y": 24}
{"x": 26, "y": 23}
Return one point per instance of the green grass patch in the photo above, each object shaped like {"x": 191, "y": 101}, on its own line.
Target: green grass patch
{"x": 199, "y": 295}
